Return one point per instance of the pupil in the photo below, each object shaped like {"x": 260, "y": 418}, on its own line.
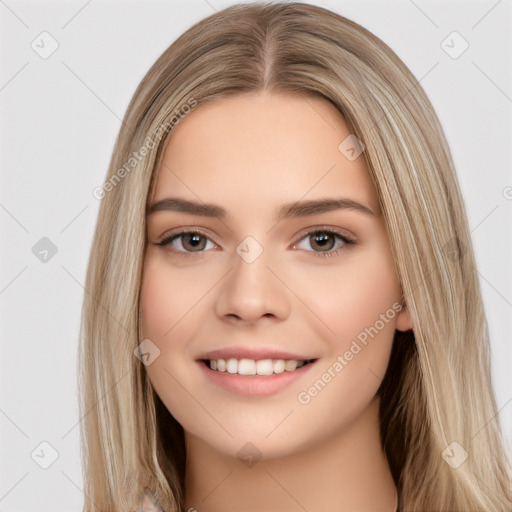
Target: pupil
{"x": 195, "y": 241}
{"x": 322, "y": 240}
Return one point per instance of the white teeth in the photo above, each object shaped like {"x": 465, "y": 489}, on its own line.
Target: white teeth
{"x": 232, "y": 365}
{"x": 279, "y": 365}
{"x": 253, "y": 367}
{"x": 291, "y": 365}
{"x": 264, "y": 367}
{"x": 247, "y": 367}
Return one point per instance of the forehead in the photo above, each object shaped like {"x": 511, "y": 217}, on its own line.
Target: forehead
{"x": 258, "y": 147}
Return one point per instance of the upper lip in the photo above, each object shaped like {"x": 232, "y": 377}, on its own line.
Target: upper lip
{"x": 239, "y": 352}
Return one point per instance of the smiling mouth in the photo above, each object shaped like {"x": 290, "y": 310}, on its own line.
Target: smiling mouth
{"x": 260, "y": 367}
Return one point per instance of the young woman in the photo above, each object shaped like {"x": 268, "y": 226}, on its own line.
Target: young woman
{"x": 283, "y": 311}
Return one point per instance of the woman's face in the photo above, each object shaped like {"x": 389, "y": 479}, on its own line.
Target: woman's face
{"x": 290, "y": 262}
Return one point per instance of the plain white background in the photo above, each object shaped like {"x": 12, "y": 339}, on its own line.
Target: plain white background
{"x": 59, "y": 119}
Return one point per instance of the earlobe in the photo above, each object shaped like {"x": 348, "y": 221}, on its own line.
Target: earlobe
{"x": 404, "y": 320}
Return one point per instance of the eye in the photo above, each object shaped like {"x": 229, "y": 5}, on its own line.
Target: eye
{"x": 188, "y": 242}
{"x": 321, "y": 242}
{"x": 324, "y": 242}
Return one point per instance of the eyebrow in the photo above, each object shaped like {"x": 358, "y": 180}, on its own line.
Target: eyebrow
{"x": 285, "y": 211}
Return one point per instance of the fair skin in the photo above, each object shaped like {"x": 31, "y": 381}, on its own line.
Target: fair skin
{"x": 311, "y": 449}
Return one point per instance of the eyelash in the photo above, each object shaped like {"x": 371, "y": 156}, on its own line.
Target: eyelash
{"x": 347, "y": 242}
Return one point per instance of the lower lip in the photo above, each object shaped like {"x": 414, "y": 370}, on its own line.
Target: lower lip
{"x": 254, "y": 385}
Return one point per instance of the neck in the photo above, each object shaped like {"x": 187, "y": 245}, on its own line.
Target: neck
{"x": 348, "y": 471}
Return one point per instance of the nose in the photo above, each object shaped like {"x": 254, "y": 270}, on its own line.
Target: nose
{"x": 251, "y": 292}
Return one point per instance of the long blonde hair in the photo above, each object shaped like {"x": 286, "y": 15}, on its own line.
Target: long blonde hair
{"x": 437, "y": 390}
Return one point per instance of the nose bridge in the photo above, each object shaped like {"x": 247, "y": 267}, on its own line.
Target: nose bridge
{"x": 251, "y": 291}
{"x": 250, "y": 275}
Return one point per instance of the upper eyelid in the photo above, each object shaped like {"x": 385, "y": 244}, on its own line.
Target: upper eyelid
{"x": 337, "y": 231}
{"x": 185, "y": 230}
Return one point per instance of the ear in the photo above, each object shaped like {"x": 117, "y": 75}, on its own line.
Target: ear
{"x": 404, "y": 320}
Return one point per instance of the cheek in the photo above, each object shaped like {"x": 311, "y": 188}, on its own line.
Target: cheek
{"x": 157, "y": 304}
{"x": 168, "y": 297}
{"x": 354, "y": 296}
{"x": 357, "y": 306}
{"x": 165, "y": 314}
{"x": 168, "y": 321}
